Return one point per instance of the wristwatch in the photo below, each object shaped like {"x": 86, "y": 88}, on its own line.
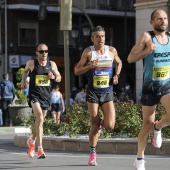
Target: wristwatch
{"x": 117, "y": 75}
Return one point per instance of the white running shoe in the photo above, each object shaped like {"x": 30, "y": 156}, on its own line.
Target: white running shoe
{"x": 139, "y": 164}
{"x": 156, "y": 139}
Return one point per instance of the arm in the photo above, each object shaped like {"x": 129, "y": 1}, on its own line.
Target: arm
{"x": 118, "y": 62}
{"x": 55, "y": 74}
{"x": 143, "y": 47}
{"x": 28, "y": 67}
{"x": 82, "y": 67}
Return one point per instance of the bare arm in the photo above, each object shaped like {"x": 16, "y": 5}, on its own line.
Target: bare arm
{"x": 143, "y": 47}
{"x": 82, "y": 67}
{"x": 29, "y": 66}
{"x": 118, "y": 62}
{"x": 62, "y": 101}
{"x": 55, "y": 74}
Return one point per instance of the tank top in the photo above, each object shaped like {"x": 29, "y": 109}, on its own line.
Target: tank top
{"x": 156, "y": 67}
{"x": 40, "y": 84}
{"x": 100, "y": 78}
{"x": 55, "y": 97}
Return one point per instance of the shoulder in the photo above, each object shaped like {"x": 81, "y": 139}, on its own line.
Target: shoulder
{"x": 146, "y": 36}
{"x": 87, "y": 50}
{"x": 30, "y": 62}
{"x": 52, "y": 63}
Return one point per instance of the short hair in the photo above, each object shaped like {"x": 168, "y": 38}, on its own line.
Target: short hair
{"x": 40, "y": 45}
{"x": 97, "y": 28}
{"x": 5, "y": 76}
{"x": 153, "y": 13}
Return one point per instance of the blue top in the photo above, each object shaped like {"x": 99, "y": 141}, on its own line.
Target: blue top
{"x": 157, "y": 68}
{"x": 6, "y": 89}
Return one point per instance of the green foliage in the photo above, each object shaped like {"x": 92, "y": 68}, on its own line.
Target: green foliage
{"x": 76, "y": 121}
{"x": 22, "y": 99}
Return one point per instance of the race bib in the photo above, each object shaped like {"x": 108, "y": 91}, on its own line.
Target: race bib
{"x": 42, "y": 80}
{"x": 101, "y": 81}
{"x": 161, "y": 73}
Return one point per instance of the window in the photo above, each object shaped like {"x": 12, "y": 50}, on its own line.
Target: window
{"x": 27, "y": 33}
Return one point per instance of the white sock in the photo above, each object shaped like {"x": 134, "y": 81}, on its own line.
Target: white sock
{"x": 39, "y": 147}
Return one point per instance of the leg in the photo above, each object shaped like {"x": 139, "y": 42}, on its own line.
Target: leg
{"x": 54, "y": 114}
{"x": 40, "y": 115}
{"x": 95, "y": 123}
{"x": 108, "y": 110}
{"x": 165, "y": 120}
{"x": 58, "y": 117}
{"x": 93, "y": 135}
{"x": 148, "y": 120}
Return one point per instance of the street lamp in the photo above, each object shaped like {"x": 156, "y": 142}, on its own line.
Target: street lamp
{"x": 80, "y": 34}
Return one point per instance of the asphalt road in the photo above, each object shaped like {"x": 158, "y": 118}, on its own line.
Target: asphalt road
{"x": 16, "y": 158}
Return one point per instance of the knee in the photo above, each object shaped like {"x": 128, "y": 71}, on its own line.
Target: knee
{"x": 110, "y": 126}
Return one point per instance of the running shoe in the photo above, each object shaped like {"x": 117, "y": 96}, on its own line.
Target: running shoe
{"x": 156, "y": 139}
{"x": 92, "y": 160}
{"x": 139, "y": 164}
{"x": 31, "y": 148}
{"x": 41, "y": 154}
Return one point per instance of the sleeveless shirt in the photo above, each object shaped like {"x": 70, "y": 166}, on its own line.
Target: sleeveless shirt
{"x": 55, "y": 97}
{"x": 100, "y": 78}
{"x": 40, "y": 84}
{"x": 156, "y": 67}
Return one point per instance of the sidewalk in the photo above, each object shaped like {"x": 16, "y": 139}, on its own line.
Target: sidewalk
{"x": 115, "y": 146}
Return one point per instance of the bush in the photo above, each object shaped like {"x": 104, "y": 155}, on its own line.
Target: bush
{"x": 22, "y": 98}
{"x": 76, "y": 121}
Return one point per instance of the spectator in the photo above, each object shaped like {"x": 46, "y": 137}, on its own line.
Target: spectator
{"x": 81, "y": 96}
{"x": 7, "y": 96}
{"x": 57, "y": 103}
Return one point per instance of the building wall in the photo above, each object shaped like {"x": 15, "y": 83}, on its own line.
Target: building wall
{"x": 144, "y": 8}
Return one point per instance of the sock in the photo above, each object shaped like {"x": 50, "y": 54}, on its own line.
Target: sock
{"x": 33, "y": 142}
{"x": 155, "y": 127}
{"x": 39, "y": 147}
{"x": 139, "y": 159}
{"x": 92, "y": 149}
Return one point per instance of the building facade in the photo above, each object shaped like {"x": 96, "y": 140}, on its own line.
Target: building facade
{"x": 21, "y": 30}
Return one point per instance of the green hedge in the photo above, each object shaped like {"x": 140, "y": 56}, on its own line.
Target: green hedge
{"x": 76, "y": 121}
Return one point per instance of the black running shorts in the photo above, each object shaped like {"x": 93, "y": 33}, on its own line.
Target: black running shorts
{"x": 99, "y": 98}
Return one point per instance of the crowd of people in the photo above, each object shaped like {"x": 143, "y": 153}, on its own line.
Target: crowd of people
{"x": 97, "y": 62}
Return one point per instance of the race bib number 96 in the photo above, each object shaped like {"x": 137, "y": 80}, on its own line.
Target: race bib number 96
{"x": 42, "y": 80}
{"x": 101, "y": 81}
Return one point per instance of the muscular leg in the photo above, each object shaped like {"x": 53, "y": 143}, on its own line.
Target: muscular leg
{"x": 108, "y": 110}
{"x": 38, "y": 127}
{"x": 165, "y": 120}
{"x": 148, "y": 120}
{"x": 95, "y": 123}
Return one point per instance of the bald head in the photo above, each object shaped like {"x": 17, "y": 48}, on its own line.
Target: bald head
{"x": 155, "y": 12}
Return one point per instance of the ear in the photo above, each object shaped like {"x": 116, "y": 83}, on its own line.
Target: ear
{"x": 36, "y": 53}
{"x": 151, "y": 22}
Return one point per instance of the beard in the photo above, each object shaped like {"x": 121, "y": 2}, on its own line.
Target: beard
{"x": 157, "y": 28}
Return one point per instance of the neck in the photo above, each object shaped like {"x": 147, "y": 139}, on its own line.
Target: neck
{"x": 42, "y": 62}
{"x": 100, "y": 50}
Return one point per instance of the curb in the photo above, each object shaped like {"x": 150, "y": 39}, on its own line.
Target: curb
{"x": 115, "y": 146}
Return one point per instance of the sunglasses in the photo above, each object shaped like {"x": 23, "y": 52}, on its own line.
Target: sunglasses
{"x": 43, "y": 51}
